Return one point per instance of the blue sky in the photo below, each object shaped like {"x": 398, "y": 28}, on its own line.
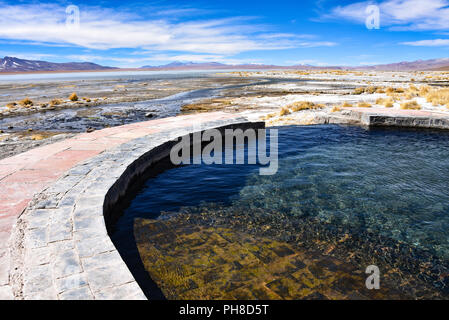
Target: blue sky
{"x": 137, "y": 33}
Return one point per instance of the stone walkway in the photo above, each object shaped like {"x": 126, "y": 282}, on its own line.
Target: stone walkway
{"x": 25, "y": 175}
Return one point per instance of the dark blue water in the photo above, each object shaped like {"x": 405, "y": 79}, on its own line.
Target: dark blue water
{"x": 387, "y": 183}
{"x": 391, "y": 182}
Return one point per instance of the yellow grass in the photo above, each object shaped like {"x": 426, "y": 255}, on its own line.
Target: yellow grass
{"x": 437, "y": 96}
{"x": 335, "y": 109}
{"x": 346, "y": 105}
{"x": 73, "y": 97}
{"x": 369, "y": 90}
{"x": 388, "y": 103}
{"x": 380, "y": 101}
{"x": 390, "y": 91}
{"x": 37, "y": 137}
{"x": 284, "y": 111}
{"x": 268, "y": 116}
{"x": 424, "y": 90}
{"x": 26, "y": 102}
{"x": 304, "y": 105}
{"x": 359, "y": 90}
{"x": 363, "y": 105}
{"x": 11, "y": 105}
{"x": 410, "y": 105}
{"x": 55, "y": 102}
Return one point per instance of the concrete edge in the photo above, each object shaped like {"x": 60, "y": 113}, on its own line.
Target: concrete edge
{"x": 60, "y": 245}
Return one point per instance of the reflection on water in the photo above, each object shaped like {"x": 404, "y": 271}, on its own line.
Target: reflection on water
{"x": 343, "y": 198}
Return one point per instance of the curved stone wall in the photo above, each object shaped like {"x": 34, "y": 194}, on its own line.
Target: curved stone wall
{"x": 61, "y": 247}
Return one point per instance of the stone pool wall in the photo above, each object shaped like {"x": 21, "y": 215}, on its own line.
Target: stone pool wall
{"x": 60, "y": 245}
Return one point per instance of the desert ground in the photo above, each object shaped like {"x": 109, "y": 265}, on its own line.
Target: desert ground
{"x": 33, "y": 113}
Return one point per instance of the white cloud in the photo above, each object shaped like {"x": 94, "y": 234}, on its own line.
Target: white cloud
{"x": 428, "y": 43}
{"x": 317, "y": 44}
{"x": 400, "y": 15}
{"x": 155, "y": 58}
{"x": 108, "y": 29}
{"x": 29, "y": 56}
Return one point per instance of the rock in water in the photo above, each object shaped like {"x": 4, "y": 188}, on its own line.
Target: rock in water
{"x": 149, "y": 115}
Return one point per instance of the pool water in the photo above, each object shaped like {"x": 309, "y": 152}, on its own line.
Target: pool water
{"x": 343, "y": 198}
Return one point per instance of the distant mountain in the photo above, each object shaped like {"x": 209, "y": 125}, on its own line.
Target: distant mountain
{"x": 433, "y": 64}
{"x": 11, "y": 64}
{"x": 442, "y": 69}
{"x": 210, "y": 65}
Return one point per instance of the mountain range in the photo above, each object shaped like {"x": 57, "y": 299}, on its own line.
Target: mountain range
{"x": 11, "y": 64}
{"x": 433, "y": 64}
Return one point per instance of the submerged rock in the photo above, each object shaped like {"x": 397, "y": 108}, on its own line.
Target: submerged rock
{"x": 189, "y": 260}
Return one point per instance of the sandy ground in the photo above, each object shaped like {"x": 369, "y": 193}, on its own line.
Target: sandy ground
{"x": 258, "y": 95}
{"x": 328, "y": 89}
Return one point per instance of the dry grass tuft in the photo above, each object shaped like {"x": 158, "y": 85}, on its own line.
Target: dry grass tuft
{"x": 369, "y": 90}
{"x": 268, "y": 116}
{"x": 304, "y": 105}
{"x": 346, "y": 105}
{"x": 380, "y": 101}
{"x": 437, "y": 96}
{"x": 284, "y": 111}
{"x": 410, "y": 105}
{"x": 359, "y": 90}
{"x": 37, "y": 137}
{"x": 55, "y": 102}
{"x": 73, "y": 97}
{"x": 26, "y": 102}
{"x": 389, "y": 103}
{"x": 335, "y": 109}
{"x": 410, "y": 95}
{"x": 11, "y": 105}
{"x": 363, "y": 105}
{"x": 390, "y": 91}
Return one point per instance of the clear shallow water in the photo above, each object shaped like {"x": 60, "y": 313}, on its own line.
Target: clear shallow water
{"x": 386, "y": 181}
{"x": 388, "y": 186}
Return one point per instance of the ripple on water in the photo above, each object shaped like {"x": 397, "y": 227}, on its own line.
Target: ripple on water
{"x": 359, "y": 196}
